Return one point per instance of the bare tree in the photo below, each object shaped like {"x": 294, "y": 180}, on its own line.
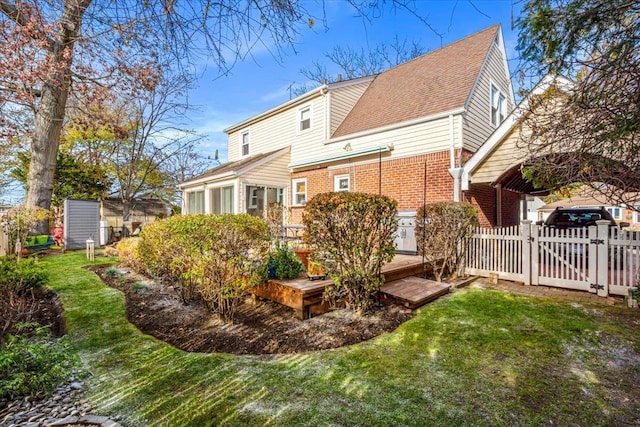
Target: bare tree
{"x": 588, "y": 132}
{"x": 182, "y": 167}
{"x": 351, "y": 63}
{"x": 56, "y": 49}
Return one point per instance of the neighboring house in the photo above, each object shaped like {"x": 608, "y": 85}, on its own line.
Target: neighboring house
{"x": 406, "y": 133}
{"x": 619, "y": 213}
{"x": 143, "y": 211}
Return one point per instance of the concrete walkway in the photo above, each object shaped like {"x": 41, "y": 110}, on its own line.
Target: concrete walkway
{"x": 548, "y": 292}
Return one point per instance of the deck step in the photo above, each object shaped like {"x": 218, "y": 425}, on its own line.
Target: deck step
{"x": 413, "y": 292}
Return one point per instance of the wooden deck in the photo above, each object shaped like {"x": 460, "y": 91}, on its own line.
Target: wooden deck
{"x": 305, "y": 296}
{"x": 413, "y": 292}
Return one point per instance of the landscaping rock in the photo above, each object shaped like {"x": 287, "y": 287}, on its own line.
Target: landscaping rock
{"x": 66, "y": 406}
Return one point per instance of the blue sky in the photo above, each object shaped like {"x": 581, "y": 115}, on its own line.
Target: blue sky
{"x": 262, "y": 81}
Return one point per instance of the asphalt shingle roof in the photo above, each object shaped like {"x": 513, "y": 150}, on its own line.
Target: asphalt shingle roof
{"x": 436, "y": 82}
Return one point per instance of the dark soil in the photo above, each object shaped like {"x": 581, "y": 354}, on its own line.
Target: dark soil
{"x": 259, "y": 327}
{"x": 41, "y": 305}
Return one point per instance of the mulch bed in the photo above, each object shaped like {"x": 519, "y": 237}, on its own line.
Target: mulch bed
{"x": 40, "y": 305}
{"x": 259, "y": 327}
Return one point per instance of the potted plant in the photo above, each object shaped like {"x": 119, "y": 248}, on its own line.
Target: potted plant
{"x": 283, "y": 263}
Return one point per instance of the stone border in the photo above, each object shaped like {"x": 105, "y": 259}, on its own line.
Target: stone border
{"x": 87, "y": 420}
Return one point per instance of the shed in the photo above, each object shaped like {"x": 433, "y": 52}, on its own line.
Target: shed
{"x": 81, "y": 222}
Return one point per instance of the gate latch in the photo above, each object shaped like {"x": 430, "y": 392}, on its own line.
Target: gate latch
{"x": 596, "y": 286}
{"x": 597, "y": 242}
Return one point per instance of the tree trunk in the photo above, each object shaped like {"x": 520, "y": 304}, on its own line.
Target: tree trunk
{"x": 51, "y": 111}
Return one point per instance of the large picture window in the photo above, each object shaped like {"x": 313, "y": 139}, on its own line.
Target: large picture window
{"x": 195, "y": 202}
{"x": 222, "y": 200}
{"x": 260, "y": 197}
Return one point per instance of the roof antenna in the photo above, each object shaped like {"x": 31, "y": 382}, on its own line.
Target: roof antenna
{"x": 215, "y": 157}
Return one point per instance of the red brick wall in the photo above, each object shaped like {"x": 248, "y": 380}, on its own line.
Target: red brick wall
{"x": 483, "y": 197}
{"x": 510, "y": 208}
{"x": 403, "y": 180}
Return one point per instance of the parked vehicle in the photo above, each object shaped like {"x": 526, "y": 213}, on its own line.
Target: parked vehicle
{"x": 579, "y": 217}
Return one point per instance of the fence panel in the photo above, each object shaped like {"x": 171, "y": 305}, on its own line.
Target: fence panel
{"x": 624, "y": 261}
{"x": 600, "y": 258}
{"x": 562, "y": 257}
{"x": 496, "y": 250}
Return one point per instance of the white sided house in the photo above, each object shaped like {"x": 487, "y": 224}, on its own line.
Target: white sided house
{"x": 405, "y": 133}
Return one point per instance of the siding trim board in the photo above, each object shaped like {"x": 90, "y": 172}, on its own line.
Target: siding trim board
{"x": 395, "y": 126}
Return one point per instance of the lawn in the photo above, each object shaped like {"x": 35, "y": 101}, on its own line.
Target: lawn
{"x": 475, "y": 357}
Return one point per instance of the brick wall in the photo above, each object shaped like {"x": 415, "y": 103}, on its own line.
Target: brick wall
{"x": 510, "y": 208}
{"x": 404, "y": 179}
{"x": 483, "y": 197}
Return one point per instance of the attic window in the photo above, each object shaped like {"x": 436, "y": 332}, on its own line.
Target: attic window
{"x": 245, "y": 143}
{"x": 498, "y": 106}
{"x": 305, "y": 119}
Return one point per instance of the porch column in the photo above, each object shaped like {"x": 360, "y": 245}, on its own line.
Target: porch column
{"x": 207, "y": 200}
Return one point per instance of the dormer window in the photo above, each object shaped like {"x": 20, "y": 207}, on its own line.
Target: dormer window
{"x": 245, "y": 143}
{"x": 498, "y": 106}
{"x": 304, "y": 119}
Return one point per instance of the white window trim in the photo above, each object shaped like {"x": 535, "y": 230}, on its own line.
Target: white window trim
{"x": 253, "y": 196}
{"x": 242, "y": 134}
{"x": 193, "y": 192}
{"x": 294, "y": 199}
{"x": 299, "y": 119}
{"x": 612, "y": 211}
{"x": 492, "y": 86}
{"x": 220, "y": 187}
{"x": 336, "y": 182}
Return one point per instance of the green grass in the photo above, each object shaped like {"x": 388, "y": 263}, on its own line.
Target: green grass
{"x": 476, "y": 357}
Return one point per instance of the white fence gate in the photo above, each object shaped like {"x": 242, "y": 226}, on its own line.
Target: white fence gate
{"x": 600, "y": 258}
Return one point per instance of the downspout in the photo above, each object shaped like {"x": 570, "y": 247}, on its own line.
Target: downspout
{"x": 455, "y": 172}
{"x": 327, "y": 120}
{"x": 452, "y": 142}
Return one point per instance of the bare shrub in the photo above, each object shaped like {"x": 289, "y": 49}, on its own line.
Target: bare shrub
{"x": 351, "y": 234}
{"x": 442, "y": 232}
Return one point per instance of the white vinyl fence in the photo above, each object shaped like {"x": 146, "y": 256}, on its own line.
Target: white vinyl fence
{"x": 600, "y": 258}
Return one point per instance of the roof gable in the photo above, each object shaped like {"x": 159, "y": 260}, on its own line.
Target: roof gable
{"x": 509, "y": 124}
{"x": 433, "y": 83}
{"x": 235, "y": 168}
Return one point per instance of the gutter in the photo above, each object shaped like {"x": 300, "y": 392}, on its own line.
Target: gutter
{"x": 381, "y": 149}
